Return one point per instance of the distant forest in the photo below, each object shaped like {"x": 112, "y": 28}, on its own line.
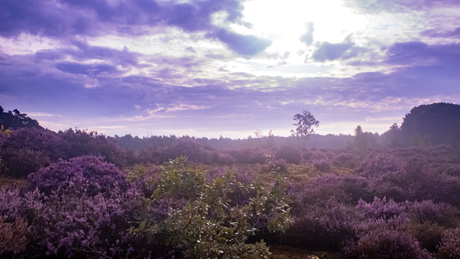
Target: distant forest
{"x": 424, "y": 125}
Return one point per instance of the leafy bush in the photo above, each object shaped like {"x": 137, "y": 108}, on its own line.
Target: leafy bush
{"x": 202, "y": 222}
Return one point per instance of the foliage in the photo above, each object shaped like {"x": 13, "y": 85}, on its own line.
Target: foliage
{"x": 12, "y": 236}
{"x": 15, "y": 120}
{"x": 86, "y": 174}
{"x": 289, "y": 153}
{"x": 29, "y": 149}
{"x": 74, "y": 209}
{"x": 204, "y": 222}
{"x": 437, "y": 122}
{"x": 91, "y": 143}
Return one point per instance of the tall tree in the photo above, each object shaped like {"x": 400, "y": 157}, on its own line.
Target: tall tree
{"x": 361, "y": 141}
{"x": 15, "y": 119}
{"x": 305, "y": 122}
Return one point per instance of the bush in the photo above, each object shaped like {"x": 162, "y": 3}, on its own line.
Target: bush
{"x": 86, "y": 174}
{"x": 381, "y": 163}
{"x": 91, "y": 143}
{"x": 76, "y": 209}
{"x": 20, "y": 162}
{"x": 450, "y": 245}
{"x": 13, "y": 238}
{"x": 327, "y": 225}
{"x": 290, "y": 154}
{"x": 383, "y": 241}
{"x": 322, "y": 165}
{"x": 49, "y": 143}
{"x": 203, "y": 221}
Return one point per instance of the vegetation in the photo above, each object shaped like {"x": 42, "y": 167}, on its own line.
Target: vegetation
{"x": 79, "y": 194}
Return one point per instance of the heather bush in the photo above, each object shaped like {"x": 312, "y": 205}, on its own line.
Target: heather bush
{"x": 280, "y": 166}
{"x": 86, "y": 174}
{"x": 450, "y": 245}
{"x": 190, "y": 148}
{"x": 416, "y": 183}
{"x": 91, "y": 143}
{"x": 49, "y": 143}
{"x": 69, "y": 225}
{"x": 429, "y": 221}
{"x": 289, "y": 153}
{"x": 345, "y": 159}
{"x": 249, "y": 156}
{"x": 380, "y": 163}
{"x": 224, "y": 158}
{"x": 440, "y": 213}
{"x": 322, "y": 165}
{"x": 77, "y": 209}
{"x": 150, "y": 155}
{"x": 380, "y": 209}
{"x": 347, "y": 189}
{"x": 327, "y": 225}
{"x": 385, "y": 239}
{"x": 13, "y": 238}
{"x": 20, "y": 162}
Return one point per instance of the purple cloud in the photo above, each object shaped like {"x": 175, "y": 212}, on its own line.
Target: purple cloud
{"x": 333, "y": 51}
{"x": 65, "y": 19}
{"x": 246, "y": 45}
{"x": 442, "y": 33}
{"x": 376, "y": 6}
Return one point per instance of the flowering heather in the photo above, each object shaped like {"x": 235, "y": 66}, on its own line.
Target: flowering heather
{"x": 86, "y": 174}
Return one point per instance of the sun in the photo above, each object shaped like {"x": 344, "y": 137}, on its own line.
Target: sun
{"x": 284, "y": 22}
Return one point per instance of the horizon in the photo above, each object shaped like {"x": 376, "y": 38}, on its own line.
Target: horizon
{"x": 227, "y": 68}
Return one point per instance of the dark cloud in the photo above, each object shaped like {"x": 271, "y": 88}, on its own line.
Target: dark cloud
{"x": 421, "y": 54}
{"x": 307, "y": 38}
{"x": 441, "y": 33}
{"x": 245, "y": 45}
{"x": 334, "y": 51}
{"x": 92, "y": 70}
{"x": 65, "y": 19}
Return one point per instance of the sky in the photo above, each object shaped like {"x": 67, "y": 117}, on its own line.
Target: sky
{"x": 230, "y": 68}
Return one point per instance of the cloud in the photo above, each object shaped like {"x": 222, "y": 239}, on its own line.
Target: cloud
{"x": 307, "y": 38}
{"x": 92, "y": 70}
{"x": 377, "y": 6}
{"x": 420, "y": 54}
{"x": 246, "y": 45}
{"x": 333, "y": 51}
{"x": 67, "y": 19}
{"x": 455, "y": 33}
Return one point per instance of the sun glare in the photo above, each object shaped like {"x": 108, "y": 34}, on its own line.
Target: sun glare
{"x": 285, "y": 21}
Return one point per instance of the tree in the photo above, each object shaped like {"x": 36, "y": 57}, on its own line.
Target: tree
{"x": 304, "y": 122}
{"x": 15, "y": 119}
{"x": 361, "y": 141}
